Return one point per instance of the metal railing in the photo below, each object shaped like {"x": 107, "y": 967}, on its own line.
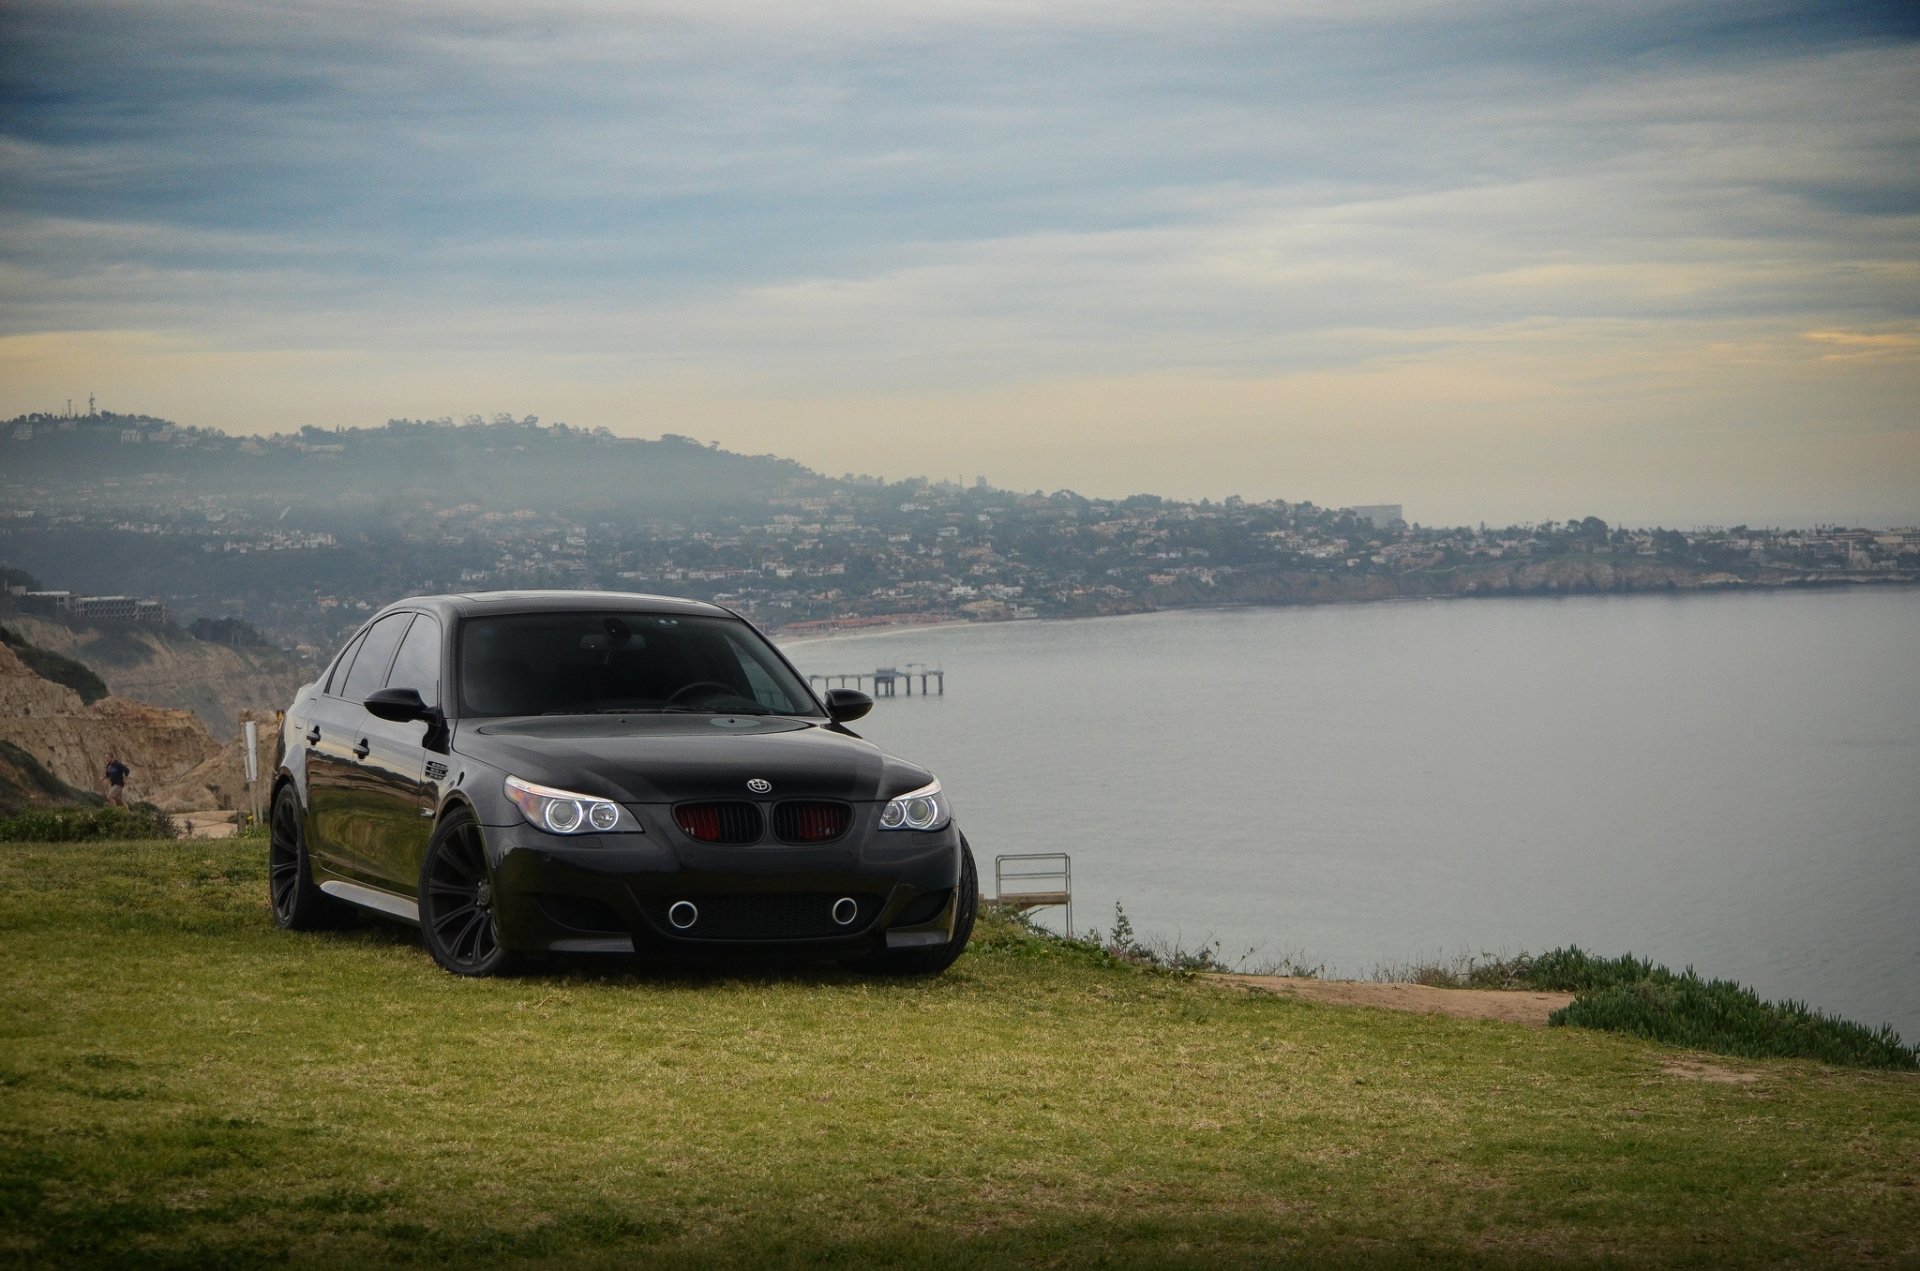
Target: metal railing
{"x": 1036, "y": 869}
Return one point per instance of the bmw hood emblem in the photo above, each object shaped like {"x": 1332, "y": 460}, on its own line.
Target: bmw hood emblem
{"x": 760, "y": 785}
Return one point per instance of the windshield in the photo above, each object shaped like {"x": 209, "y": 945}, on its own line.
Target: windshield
{"x": 593, "y": 663}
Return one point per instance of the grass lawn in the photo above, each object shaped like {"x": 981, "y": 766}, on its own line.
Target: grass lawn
{"x": 181, "y": 1084}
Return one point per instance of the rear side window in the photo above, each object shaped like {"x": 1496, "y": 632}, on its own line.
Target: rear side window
{"x": 376, "y": 655}
{"x": 417, "y": 666}
{"x": 337, "y": 682}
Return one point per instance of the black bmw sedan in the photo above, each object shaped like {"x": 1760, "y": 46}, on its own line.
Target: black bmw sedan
{"x": 540, "y": 772}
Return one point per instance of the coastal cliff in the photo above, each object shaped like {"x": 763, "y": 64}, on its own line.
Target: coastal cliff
{"x": 1556, "y": 576}
{"x": 71, "y": 739}
{"x": 217, "y": 682}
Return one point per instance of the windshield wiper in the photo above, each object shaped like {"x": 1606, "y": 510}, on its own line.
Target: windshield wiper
{"x": 716, "y": 710}
{"x": 663, "y": 710}
{"x": 604, "y": 710}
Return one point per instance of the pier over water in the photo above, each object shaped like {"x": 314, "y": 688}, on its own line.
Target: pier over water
{"x": 886, "y": 680}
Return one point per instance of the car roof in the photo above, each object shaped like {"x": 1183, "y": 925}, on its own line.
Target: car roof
{"x": 474, "y": 604}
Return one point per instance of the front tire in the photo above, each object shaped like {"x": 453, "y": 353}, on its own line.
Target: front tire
{"x": 298, "y": 905}
{"x": 937, "y": 959}
{"x": 457, "y": 916}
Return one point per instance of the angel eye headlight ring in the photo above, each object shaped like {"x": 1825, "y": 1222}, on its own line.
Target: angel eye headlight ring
{"x": 563, "y": 811}
{"x": 922, "y": 810}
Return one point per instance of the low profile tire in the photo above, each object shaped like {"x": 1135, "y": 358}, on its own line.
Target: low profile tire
{"x": 938, "y": 958}
{"x": 298, "y": 905}
{"x": 456, "y": 901}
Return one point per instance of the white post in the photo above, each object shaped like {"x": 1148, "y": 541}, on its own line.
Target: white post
{"x": 253, "y": 768}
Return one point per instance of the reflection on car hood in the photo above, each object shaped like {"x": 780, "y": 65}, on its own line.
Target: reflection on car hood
{"x": 645, "y": 758}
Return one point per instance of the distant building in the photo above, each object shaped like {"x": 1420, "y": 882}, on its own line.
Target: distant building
{"x": 1380, "y": 515}
{"x": 98, "y": 608}
{"x": 107, "y": 608}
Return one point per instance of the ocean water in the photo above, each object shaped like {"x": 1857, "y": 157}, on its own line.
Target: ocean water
{"x": 1730, "y": 782}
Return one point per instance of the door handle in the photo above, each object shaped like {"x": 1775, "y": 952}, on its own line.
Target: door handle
{"x": 361, "y": 748}
{"x": 313, "y": 735}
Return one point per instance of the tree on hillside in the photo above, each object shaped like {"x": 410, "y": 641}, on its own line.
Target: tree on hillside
{"x": 225, "y": 631}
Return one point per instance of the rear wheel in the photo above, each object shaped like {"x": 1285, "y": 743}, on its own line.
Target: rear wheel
{"x": 456, "y": 900}
{"x": 298, "y": 905}
{"x": 934, "y": 960}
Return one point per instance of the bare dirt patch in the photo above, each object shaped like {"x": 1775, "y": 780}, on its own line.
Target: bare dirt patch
{"x": 208, "y": 823}
{"x": 1706, "y": 1070}
{"x": 1511, "y": 1006}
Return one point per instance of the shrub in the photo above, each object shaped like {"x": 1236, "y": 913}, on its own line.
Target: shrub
{"x": 1723, "y": 1016}
{"x": 1626, "y": 994}
{"x": 1573, "y": 970}
{"x": 1463, "y": 971}
{"x": 1167, "y": 955}
{"x": 72, "y": 825}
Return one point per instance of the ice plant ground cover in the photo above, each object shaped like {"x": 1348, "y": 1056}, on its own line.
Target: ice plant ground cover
{"x": 181, "y": 1084}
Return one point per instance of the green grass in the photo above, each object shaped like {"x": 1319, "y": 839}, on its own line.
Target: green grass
{"x": 182, "y": 1085}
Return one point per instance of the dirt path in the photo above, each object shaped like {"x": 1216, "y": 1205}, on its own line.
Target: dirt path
{"x": 214, "y": 824}
{"x": 1515, "y": 1007}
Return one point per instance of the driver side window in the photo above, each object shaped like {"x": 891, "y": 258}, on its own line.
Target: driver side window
{"x": 417, "y": 665}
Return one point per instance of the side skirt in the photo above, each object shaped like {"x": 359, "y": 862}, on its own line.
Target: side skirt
{"x": 371, "y": 898}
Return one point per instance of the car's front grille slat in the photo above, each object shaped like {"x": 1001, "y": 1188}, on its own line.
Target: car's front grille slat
{"x": 722, "y": 821}
{"x": 736, "y": 822}
{"x": 810, "y": 821}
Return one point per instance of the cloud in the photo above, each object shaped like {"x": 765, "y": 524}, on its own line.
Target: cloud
{"x": 896, "y": 209}
{"x": 1865, "y": 346}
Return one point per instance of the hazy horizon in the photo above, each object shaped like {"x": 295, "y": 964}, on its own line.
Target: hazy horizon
{"x": 1411, "y": 514}
{"x": 1493, "y": 260}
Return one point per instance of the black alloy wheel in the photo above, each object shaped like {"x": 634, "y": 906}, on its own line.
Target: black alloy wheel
{"x": 298, "y": 905}
{"x": 941, "y": 956}
{"x": 456, "y": 900}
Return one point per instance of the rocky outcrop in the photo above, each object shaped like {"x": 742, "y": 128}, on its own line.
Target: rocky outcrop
{"x": 25, "y": 784}
{"x": 220, "y": 780}
{"x": 72, "y": 740}
{"x": 1576, "y": 575}
{"x": 217, "y": 682}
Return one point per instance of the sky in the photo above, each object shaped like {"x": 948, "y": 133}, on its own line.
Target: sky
{"x": 1497, "y": 260}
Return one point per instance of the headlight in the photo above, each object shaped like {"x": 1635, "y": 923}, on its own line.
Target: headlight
{"x": 922, "y": 809}
{"x": 563, "y": 811}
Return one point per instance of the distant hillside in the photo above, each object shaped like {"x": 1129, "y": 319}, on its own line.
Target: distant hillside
{"x": 295, "y": 540}
{"x": 503, "y": 462}
{"x": 300, "y": 534}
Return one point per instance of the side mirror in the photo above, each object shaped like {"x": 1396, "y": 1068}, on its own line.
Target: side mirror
{"x": 398, "y": 705}
{"x": 845, "y": 704}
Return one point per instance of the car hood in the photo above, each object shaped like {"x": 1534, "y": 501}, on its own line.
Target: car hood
{"x": 668, "y": 758}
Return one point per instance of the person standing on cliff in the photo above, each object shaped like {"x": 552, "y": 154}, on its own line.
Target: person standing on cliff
{"x": 117, "y": 782}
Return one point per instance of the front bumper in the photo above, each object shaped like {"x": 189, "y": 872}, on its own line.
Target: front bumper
{"x": 618, "y": 893}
